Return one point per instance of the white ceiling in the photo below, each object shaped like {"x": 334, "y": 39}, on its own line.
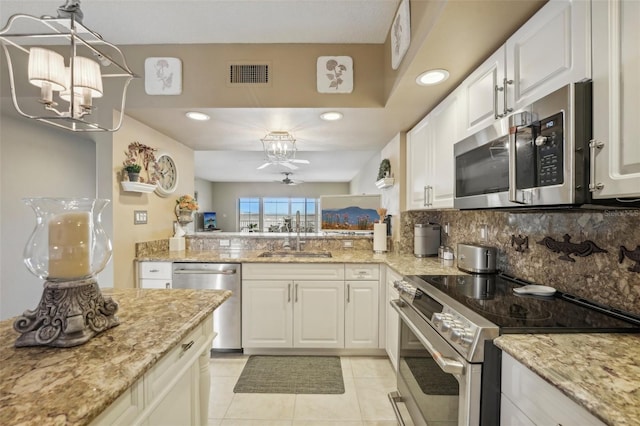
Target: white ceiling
{"x": 227, "y": 147}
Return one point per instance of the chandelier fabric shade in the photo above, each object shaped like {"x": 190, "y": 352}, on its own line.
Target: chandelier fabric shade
{"x": 68, "y": 62}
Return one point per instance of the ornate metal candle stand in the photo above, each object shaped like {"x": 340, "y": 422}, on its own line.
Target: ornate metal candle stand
{"x": 67, "y": 248}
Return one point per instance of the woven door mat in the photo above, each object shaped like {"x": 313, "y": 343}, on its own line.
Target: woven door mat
{"x": 291, "y": 374}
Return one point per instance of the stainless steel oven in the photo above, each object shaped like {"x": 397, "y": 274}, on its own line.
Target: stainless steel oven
{"x": 437, "y": 385}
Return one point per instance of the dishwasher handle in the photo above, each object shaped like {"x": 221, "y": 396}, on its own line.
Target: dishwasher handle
{"x": 205, "y": 271}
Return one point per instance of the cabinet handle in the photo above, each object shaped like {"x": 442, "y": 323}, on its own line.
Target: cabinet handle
{"x": 496, "y": 89}
{"x": 187, "y": 346}
{"x": 348, "y": 293}
{"x": 296, "y": 293}
{"x": 594, "y": 145}
{"x": 289, "y": 292}
{"x": 428, "y": 194}
{"x": 424, "y": 194}
{"x": 154, "y": 270}
{"x": 505, "y": 84}
{"x": 167, "y": 285}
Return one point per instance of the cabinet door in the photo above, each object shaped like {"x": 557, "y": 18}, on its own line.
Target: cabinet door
{"x": 267, "y": 318}
{"x": 482, "y": 101}
{"x": 393, "y": 320}
{"x": 616, "y": 100}
{"x": 361, "y": 314}
{"x": 550, "y": 51}
{"x": 444, "y": 135}
{"x": 318, "y": 314}
{"x": 178, "y": 406}
{"x": 153, "y": 283}
{"x": 417, "y": 144}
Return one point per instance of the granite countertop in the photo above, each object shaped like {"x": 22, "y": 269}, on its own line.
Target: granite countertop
{"x": 71, "y": 386}
{"x": 600, "y": 372}
{"x": 404, "y": 264}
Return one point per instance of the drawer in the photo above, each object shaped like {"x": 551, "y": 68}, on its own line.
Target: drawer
{"x": 362, "y": 271}
{"x": 178, "y": 359}
{"x": 155, "y": 283}
{"x": 293, "y": 271}
{"x": 159, "y": 270}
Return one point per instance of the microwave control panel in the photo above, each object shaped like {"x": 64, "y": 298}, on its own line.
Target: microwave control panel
{"x": 549, "y": 142}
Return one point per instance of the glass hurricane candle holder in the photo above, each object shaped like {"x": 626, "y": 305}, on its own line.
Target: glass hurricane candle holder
{"x": 67, "y": 248}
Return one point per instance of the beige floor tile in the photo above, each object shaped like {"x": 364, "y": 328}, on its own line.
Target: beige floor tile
{"x": 214, "y": 422}
{"x": 371, "y": 367}
{"x": 221, "y": 395}
{"x": 340, "y": 407}
{"x": 324, "y": 423}
{"x": 261, "y": 406}
{"x": 237, "y": 422}
{"x": 227, "y": 365}
{"x": 381, "y": 423}
{"x": 345, "y": 363}
{"x": 372, "y": 397}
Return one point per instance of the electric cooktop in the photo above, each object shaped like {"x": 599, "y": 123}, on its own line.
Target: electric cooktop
{"x": 492, "y": 297}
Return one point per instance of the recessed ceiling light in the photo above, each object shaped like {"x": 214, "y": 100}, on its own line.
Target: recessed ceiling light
{"x": 197, "y": 116}
{"x": 430, "y": 77}
{"x": 331, "y": 115}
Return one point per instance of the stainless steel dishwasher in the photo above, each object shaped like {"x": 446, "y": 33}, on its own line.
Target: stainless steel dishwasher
{"x": 216, "y": 276}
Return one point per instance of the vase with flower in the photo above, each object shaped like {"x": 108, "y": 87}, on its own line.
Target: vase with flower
{"x": 185, "y": 206}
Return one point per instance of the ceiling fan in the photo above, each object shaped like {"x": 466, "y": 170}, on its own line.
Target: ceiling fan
{"x": 287, "y": 180}
{"x": 280, "y": 148}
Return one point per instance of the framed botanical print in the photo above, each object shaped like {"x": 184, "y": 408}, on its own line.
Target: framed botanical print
{"x": 400, "y": 34}
{"x": 334, "y": 74}
{"x": 163, "y": 76}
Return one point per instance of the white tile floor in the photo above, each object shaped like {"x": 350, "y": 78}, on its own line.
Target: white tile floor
{"x": 367, "y": 382}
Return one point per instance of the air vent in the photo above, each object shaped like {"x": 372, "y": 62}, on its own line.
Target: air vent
{"x": 249, "y": 74}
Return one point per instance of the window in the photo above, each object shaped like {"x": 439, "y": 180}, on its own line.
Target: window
{"x": 277, "y": 214}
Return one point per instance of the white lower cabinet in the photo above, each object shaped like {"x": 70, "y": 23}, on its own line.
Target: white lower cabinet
{"x": 175, "y": 391}
{"x": 393, "y": 319}
{"x": 154, "y": 275}
{"x": 527, "y": 399}
{"x": 291, "y": 310}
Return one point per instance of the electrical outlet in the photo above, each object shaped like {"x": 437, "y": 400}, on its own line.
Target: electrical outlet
{"x": 139, "y": 217}
{"x": 224, "y": 243}
{"x": 347, "y": 244}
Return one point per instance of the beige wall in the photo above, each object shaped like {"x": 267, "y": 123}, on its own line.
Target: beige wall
{"x": 160, "y": 211}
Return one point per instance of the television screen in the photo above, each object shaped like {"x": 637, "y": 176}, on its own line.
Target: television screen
{"x": 209, "y": 221}
{"x": 349, "y": 213}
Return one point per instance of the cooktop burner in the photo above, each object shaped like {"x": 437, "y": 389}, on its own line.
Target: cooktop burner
{"x": 492, "y": 297}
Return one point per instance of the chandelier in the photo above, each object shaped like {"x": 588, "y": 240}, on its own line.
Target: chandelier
{"x": 279, "y": 147}
{"x": 57, "y": 67}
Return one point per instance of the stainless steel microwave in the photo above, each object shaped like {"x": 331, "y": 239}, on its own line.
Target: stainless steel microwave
{"x": 537, "y": 156}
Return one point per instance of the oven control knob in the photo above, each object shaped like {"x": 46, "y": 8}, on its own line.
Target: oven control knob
{"x": 541, "y": 140}
{"x": 440, "y": 318}
{"x": 461, "y": 336}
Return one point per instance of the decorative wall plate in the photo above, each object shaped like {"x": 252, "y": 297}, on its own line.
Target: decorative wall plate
{"x": 163, "y": 76}
{"x": 400, "y": 34}
{"x": 335, "y": 74}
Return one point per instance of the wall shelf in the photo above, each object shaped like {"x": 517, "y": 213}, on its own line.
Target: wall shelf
{"x": 137, "y": 186}
{"x": 385, "y": 183}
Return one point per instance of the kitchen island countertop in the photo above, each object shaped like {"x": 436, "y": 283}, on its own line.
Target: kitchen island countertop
{"x": 600, "y": 372}
{"x": 71, "y": 386}
{"x": 404, "y": 264}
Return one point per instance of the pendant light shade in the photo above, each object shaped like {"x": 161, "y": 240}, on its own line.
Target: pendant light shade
{"x": 46, "y": 67}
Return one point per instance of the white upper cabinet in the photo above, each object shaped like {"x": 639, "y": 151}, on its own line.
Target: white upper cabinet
{"x": 616, "y": 100}
{"x": 549, "y": 51}
{"x": 430, "y": 176}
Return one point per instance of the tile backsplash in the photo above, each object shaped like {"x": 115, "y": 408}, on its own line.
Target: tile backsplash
{"x": 603, "y": 277}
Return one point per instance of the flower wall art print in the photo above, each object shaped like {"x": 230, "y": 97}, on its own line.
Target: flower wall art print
{"x": 163, "y": 76}
{"x": 400, "y": 34}
{"x": 335, "y": 74}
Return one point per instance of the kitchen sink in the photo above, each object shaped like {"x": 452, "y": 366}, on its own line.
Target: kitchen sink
{"x": 295, "y": 254}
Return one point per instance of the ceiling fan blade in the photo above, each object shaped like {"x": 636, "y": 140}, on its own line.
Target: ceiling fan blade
{"x": 289, "y": 165}
{"x": 299, "y": 161}
{"x": 264, "y": 165}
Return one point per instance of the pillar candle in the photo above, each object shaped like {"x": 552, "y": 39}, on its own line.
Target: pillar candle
{"x": 70, "y": 245}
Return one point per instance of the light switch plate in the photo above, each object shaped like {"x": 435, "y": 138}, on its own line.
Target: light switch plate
{"x": 347, "y": 243}
{"x": 224, "y": 243}
{"x": 139, "y": 217}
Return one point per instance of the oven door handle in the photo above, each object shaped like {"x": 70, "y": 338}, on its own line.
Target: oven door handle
{"x": 447, "y": 365}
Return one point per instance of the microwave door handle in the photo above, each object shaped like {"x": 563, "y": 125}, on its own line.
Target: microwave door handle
{"x": 513, "y": 170}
